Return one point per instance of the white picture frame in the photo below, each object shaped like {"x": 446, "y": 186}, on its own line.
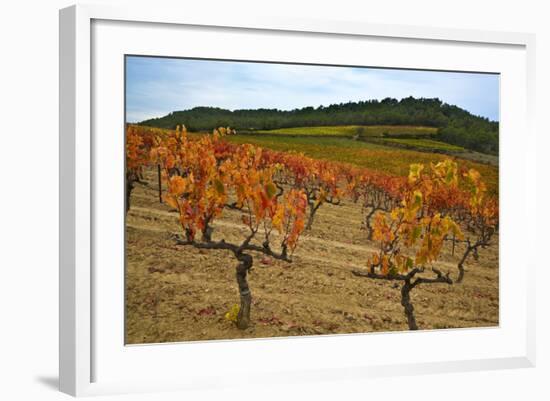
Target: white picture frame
{"x": 83, "y": 349}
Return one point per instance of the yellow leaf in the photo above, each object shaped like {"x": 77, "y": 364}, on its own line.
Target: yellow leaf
{"x": 233, "y": 313}
{"x": 171, "y": 200}
{"x": 415, "y": 171}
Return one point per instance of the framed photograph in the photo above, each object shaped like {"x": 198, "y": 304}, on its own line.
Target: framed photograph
{"x": 290, "y": 200}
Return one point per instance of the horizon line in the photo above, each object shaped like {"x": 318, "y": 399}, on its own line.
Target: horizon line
{"x": 314, "y": 107}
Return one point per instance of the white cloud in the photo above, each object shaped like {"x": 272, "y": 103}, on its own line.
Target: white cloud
{"x": 159, "y": 86}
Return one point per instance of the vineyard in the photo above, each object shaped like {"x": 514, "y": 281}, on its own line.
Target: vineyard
{"x": 371, "y": 155}
{"x": 373, "y": 131}
{"x": 236, "y": 236}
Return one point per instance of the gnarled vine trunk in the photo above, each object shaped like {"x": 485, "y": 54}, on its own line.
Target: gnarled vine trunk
{"x": 129, "y": 187}
{"x": 461, "y": 264}
{"x": 312, "y": 211}
{"x": 245, "y": 263}
{"x": 406, "y": 302}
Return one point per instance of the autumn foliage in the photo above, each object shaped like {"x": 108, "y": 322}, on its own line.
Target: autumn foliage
{"x": 278, "y": 194}
{"x": 202, "y": 180}
{"x": 412, "y": 235}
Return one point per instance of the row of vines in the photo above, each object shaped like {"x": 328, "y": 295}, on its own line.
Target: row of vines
{"x": 279, "y": 193}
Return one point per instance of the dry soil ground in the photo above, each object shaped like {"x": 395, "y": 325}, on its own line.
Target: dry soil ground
{"x": 176, "y": 293}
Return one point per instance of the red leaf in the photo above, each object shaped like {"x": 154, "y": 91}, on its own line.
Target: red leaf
{"x": 207, "y": 311}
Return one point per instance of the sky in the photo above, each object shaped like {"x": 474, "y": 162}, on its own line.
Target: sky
{"x": 158, "y": 86}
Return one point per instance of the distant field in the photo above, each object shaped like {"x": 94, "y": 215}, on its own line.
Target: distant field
{"x": 339, "y": 130}
{"x": 352, "y": 130}
{"x": 412, "y": 137}
{"x": 364, "y": 154}
{"x": 373, "y": 154}
{"x": 396, "y": 131}
{"x": 427, "y": 144}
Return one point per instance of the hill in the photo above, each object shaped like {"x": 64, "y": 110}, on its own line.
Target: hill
{"x": 456, "y": 126}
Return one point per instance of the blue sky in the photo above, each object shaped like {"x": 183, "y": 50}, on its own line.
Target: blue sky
{"x": 158, "y": 86}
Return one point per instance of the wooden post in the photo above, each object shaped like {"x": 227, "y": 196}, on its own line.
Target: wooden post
{"x": 160, "y": 183}
{"x": 454, "y": 241}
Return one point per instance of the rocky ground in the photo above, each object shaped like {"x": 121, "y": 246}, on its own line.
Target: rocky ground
{"x": 178, "y": 293}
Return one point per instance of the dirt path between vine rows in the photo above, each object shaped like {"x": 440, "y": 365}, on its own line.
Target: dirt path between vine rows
{"x": 179, "y": 293}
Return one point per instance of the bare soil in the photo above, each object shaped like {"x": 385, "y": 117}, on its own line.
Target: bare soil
{"x": 179, "y": 293}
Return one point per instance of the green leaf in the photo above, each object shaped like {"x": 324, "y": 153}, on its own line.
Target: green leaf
{"x": 449, "y": 177}
{"x": 220, "y": 189}
{"x": 416, "y": 233}
{"x": 270, "y": 190}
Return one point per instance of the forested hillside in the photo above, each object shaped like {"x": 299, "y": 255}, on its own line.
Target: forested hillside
{"x": 456, "y": 125}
